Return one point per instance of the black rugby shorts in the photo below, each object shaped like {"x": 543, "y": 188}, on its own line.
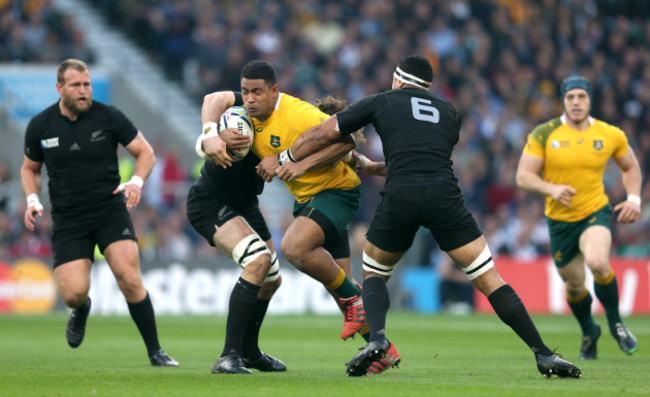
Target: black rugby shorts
{"x": 75, "y": 236}
{"x": 440, "y": 208}
{"x": 205, "y": 210}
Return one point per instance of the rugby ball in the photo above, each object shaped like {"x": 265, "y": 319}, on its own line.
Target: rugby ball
{"x": 236, "y": 117}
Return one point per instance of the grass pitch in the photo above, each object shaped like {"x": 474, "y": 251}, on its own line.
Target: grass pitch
{"x": 441, "y": 355}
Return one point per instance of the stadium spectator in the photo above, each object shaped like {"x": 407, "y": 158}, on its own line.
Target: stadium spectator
{"x": 76, "y": 138}
{"x": 564, "y": 160}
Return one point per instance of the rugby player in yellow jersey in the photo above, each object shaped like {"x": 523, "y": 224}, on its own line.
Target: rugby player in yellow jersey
{"x": 564, "y": 159}
{"x": 327, "y": 196}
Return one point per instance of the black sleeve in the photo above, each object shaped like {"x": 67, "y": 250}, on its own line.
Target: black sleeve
{"x": 33, "y": 149}
{"x": 124, "y": 128}
{"x": 359, "y": 114}
{"x": 238, "y": 100}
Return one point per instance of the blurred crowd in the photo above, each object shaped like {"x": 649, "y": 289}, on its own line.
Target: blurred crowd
{"x": 499, "y": 62}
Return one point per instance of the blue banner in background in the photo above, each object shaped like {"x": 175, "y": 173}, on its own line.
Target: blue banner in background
{"x": 25, "y": 91}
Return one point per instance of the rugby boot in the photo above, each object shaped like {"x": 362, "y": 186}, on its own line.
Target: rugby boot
{"x": 76, "y": 328}
{"x": 161, "y": 359}
{"x": 391, "y": 360}
{"x": 555, "y": 364}
{"x": 353, "y": 316}
{"x": 374, "y": 351}
{"x": 588, "y": 349}
{"x": 265, "y": 363}
{"x": 625, "y": 339}
{"x": 230, "y": 364}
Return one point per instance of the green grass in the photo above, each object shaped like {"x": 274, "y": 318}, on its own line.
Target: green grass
{"x": 441, "y": 355}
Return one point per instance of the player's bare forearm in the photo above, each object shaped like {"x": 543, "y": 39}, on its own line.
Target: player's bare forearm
{"x": 215, "y": 104}
{"x": 145, "y": 158}
{"x": 330, "y": 154}
{"x": 30, "y": 177}
{"x": 315, "y": 139}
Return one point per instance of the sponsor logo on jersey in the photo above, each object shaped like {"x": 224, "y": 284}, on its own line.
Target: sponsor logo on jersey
{"x": 126, "y": 232}
{"x": 598, "y": 144}
{"x": 97, "y": 136}
{"x": 581, "y": 140}
{"x": 275, "y": 141}
{"x": 50, "y": 143}
{"x": 75, "y": 146}
{"x": 259, "y": 129}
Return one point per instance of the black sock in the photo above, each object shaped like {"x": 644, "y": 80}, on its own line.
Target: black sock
{"x": 143, "y": 315}
{"x": 242, "y": 300}
{"x": 250, "y": 348}
{"x": 511, "y": 310}
{"x": 84, "y": 308}
{"x": 376, "y": 302}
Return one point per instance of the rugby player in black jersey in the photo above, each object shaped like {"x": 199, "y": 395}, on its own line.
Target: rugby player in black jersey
{"x": 77, "y": 140}
{"x": 418, "y": 131}
{"x": 222, "y": 206}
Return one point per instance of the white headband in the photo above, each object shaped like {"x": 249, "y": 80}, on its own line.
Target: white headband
{"x": 407, "y": 78}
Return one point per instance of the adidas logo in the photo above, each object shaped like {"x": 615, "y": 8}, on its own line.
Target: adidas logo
{"x": 126, "y": 232}
{"x": 75, "y": 146}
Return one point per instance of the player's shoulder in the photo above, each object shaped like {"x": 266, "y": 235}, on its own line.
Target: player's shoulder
{"x": 542, "y": 131}
{"x": 45, "y": 115}
{"x": 606, "y": 127}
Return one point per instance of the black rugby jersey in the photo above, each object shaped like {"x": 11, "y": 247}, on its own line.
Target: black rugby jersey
{"x": 80, "y": 156}
{"x": 418, "y": 131}
{"x": 238, "y": 182}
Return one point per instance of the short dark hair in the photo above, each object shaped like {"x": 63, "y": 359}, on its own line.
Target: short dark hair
{"x": 71, "y": 63}
{"x": 255, "y": 70}
{"x": 417, "y": 66}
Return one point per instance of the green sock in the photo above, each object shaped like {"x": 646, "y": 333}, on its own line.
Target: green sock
{"x": 347, "y": 289}
{"x": 582, "y": 312}
{"x": 608, "y": 295}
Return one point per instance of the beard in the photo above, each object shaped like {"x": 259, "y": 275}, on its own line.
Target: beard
{"x": 74, "y": 108}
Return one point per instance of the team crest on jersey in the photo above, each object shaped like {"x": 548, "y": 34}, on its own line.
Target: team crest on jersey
{"x": 50, "y": 143}
{"x": 598, "y": 144}
{"x": 275, "y": 141}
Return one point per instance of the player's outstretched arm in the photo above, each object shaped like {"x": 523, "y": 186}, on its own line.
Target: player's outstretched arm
{"x": 315, "y": 139}
{"x": 329, "y": 155}
{"x": 630, "y": 210}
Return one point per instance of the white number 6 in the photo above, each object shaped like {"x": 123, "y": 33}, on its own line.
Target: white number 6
{"x": 423, "y": 111}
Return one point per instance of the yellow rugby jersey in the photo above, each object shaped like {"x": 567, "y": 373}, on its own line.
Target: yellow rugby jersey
{"x": 578, "y": 159}
{"x": 290, "y": 119}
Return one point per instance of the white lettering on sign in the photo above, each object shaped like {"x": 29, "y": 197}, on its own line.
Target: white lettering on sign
{"x": 177, "y": 290}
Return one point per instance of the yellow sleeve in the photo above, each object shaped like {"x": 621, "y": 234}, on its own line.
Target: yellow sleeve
{"x": 622, "y": 143}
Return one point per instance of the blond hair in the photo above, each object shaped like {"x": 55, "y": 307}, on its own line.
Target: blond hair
{"x": 75, "y": 64}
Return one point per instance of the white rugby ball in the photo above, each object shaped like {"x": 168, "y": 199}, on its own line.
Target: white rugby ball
{"x": 236, "y": 117}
